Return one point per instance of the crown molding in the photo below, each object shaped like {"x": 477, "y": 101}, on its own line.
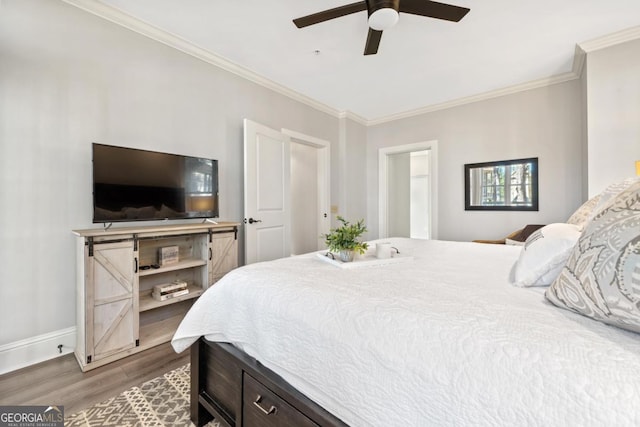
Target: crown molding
{"x": 139, "y": 26}
{"x": 125, "y": 20}
{"x": 612, "y": 39}
{"x": 534, "y": 84}
{"x": 579, "y": 59}
{"x": 353, "y": 117}
{"x": 582, "y": 49}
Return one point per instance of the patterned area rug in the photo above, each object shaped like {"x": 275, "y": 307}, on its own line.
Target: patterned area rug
{"x": 162, "y": 401}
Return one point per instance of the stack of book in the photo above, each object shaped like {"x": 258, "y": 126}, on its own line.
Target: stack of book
{"x": 170, "y": 290}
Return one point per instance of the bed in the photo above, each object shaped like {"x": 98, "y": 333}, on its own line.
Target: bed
{"x": 439, "y": 337}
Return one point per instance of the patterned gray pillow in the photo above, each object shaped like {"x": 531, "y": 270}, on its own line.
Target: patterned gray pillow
{"x": 609, "y": 193}
{"x": 601, "y": 278}
{"x": 591, "y": 207}
{"x": 582, "y": 215}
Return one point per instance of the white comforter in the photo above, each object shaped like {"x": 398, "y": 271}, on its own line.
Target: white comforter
{"x": 443, "y": 339}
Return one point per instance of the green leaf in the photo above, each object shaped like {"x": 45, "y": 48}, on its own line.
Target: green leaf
{"x": 346, "y": 236}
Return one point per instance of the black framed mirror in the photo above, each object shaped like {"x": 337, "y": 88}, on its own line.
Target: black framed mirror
{"x": 507, "y": 185}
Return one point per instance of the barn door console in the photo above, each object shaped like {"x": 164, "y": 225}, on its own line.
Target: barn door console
{"x": 134, "y": 285}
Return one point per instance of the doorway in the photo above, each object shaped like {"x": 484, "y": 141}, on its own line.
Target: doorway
{"x": 277, "y": 193}
{"x": 408, "y": 191}
{"x": 309, "y": 192}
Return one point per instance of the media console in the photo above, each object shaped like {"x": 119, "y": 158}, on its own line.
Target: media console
{"x": 117, "y": 269}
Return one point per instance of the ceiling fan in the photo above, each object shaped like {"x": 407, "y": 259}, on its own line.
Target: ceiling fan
{"x": 383, "y": 14}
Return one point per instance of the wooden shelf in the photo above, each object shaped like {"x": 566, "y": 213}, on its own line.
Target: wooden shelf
{"x": 147, "y": 302}
{"x": 159, "y": 332}
{"x": 180, "y": 265}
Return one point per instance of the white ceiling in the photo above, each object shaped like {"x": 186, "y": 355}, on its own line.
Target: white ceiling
{"x": 421, "y": 61}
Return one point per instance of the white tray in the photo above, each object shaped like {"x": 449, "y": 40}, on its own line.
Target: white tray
{"x": 363, "y": 261}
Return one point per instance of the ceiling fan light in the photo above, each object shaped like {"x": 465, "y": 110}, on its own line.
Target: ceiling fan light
{"x": 383, "y": 19}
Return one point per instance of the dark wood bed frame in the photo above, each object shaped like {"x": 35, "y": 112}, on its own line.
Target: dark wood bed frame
{"x": 238, "y": 391}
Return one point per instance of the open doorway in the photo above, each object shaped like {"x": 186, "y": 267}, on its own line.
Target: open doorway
{"x": 408, "y": 191}
{"x": 309, "y": 192}
{"x": 269, "y": 196}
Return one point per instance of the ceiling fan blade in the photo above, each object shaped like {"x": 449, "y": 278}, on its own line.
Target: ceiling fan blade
{"x": 433, "y": 9}
{"x": 373, "y": 41}
{"x": 326, "y": 15}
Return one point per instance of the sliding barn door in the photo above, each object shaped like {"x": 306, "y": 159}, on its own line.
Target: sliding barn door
{"x": 112, "y": 320}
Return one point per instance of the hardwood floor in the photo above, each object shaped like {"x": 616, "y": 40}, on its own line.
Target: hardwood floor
{"x": 61, "y": 382}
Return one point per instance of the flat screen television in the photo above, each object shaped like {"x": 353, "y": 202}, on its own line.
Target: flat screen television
{"x": 140, "y": 185}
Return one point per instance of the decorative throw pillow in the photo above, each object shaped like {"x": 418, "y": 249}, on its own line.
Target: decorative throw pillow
{"x": 591, "y": 207}
{"x": 609, "y": 193}
{"x": 583, "y": 214}
{"x": 544, "y": 254}
{"x": 601, "y": 278}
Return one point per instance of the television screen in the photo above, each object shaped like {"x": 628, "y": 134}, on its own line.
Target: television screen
{"x": 137, "y": 185}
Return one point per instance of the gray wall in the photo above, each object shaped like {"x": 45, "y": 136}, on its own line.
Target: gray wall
{"x": 304, "y": 198}
{"x": 613, "y": 111}
{"x": 68, "y": 78}
{"x": 399, "y": 197}
{"x": 351, "y": 186}
{"x": 543, "y": 123}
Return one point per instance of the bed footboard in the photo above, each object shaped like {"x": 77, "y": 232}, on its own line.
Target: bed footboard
{"x": 236, "y": 390}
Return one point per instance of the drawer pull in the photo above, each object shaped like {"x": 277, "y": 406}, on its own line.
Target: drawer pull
{"x": 270, "y": 411}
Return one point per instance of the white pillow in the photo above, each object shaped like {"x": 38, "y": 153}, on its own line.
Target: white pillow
{"x": 544, "y": 254}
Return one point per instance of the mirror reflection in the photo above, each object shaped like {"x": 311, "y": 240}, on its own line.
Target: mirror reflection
{"x": 502, "y": 185}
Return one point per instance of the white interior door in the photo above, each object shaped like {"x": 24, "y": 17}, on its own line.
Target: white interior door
{"x": 266, "y": 193}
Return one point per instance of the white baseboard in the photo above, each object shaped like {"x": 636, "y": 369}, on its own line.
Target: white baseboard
{"x": 23, "y": 353}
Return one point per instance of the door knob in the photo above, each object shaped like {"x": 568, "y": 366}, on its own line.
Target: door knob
{"x": 251, "y": 220}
